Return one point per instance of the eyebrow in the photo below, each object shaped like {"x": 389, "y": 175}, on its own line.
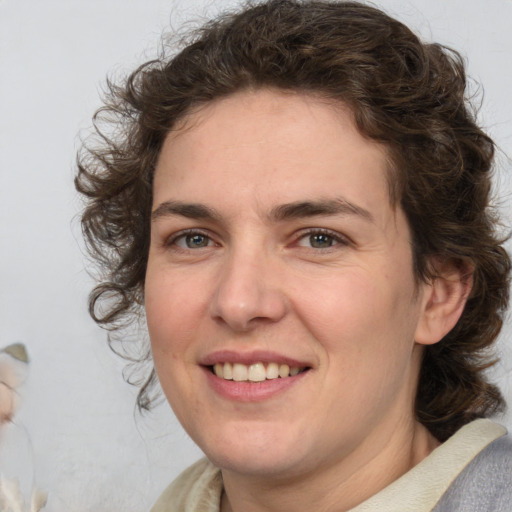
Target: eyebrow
{"x": 188, "y": 210}
{"x": 288, "y": 211}
{"x": 303, "y": 209}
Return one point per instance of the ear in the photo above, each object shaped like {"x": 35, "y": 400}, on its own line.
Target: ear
{"x": 444, "y": 299}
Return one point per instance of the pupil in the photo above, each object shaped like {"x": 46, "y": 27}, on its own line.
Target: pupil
{"x": 320, "y": 241}
{"x": 194, "y": 241}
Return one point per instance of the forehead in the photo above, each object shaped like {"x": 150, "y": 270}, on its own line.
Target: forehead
{"x": 272, "y": 146}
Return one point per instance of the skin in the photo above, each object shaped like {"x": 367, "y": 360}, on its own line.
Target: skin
{"x": 294, "y": 251}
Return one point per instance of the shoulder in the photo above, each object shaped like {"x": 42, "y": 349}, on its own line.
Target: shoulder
{"x": 197, "y": 489}
{"x": 485, "y": 484}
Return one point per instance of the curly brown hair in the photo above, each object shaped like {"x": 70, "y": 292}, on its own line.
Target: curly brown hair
{"x": 406, "y": 94}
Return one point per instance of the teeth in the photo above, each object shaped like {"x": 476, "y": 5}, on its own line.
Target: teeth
{"x": 227, "y": 371}
{"x": 256, "y": 372}
{"x": 217, "y": 368}
{"x": 240, "y": 372}
{"x": 272, "y": 371}
{"x": 284, "y": 371}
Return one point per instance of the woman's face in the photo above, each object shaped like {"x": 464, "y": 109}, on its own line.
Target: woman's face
{"x": 275, "y": 250}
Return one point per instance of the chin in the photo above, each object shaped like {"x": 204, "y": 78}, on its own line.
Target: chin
{"x": 257, "y": 465}
{"x": 254, "y": 451}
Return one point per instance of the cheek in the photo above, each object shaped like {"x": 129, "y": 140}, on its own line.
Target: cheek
{"x": 172, "y": 299}
{"x": 171, "y": 325}
{"x": 170, "y": 316}
{"x": 341, "y": 303}
{"x": 360, "y": 317}
{"x": 176, "y": 309}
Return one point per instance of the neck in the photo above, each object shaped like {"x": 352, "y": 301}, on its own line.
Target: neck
{"x": 335, "y": 487}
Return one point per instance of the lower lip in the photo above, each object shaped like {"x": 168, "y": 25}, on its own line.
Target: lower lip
{"x": 251, "y": 391}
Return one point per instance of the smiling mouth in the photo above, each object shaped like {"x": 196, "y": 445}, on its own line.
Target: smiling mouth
{"x": 257, "y": 372}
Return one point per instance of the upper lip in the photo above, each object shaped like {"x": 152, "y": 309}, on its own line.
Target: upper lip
{"x": 251, "y": 357}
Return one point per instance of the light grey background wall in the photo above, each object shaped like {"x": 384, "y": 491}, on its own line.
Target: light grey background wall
{"x": 76, "y": 434}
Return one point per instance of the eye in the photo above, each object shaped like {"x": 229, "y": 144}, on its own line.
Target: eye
{"x": 321, "y": 239}
{"x": 192, "y": 240}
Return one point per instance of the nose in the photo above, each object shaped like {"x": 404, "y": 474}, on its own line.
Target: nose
{"x": 248, "y": 293}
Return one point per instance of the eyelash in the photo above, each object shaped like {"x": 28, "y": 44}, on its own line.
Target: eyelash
{"x": 172, "y": 241}
{"x": 335, "y": 237}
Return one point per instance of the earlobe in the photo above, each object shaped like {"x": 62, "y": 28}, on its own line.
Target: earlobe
{"x": 444, "y": 300}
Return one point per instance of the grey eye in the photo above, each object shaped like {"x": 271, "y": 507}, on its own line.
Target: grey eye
{"x": 196, "y": 241}
{"x": 321, "y": 240}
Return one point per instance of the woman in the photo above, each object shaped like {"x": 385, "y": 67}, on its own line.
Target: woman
{"x": 299, "y": 200}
